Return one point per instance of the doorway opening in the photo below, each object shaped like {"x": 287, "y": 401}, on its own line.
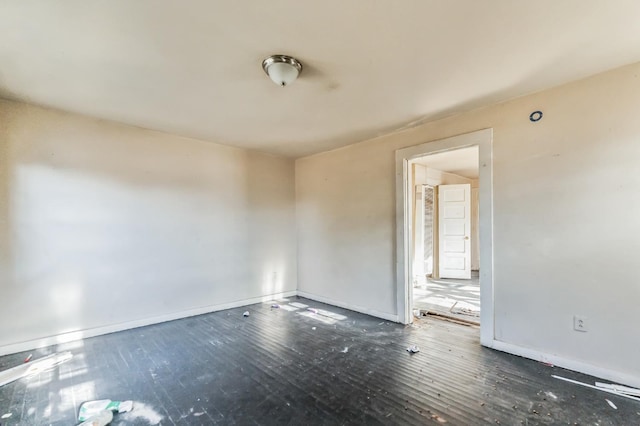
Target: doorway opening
{"x": 445, "y": 251}
{"x": 447, "y": 262}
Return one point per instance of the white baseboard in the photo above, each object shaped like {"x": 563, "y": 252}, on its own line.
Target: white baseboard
{"x": 97, "y": 331}
{"x": 373, "y": 313}
{"x": 569, "y": 364}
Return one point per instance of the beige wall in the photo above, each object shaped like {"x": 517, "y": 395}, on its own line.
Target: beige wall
{"x": 566, "y": 208}
{"x": 102, "y": 224}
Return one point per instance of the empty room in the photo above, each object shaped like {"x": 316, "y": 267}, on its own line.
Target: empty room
{"x": 319, "y": 213}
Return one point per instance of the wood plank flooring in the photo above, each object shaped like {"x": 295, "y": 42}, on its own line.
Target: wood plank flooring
{"x": 290, "y": 366}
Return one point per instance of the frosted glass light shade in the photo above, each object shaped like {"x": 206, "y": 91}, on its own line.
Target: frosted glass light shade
{"x": 282, "y": 69}
{"x": 282, "y": 73}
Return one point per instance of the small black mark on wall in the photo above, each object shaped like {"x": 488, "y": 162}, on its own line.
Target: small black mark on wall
{"x": 535, "y": 116}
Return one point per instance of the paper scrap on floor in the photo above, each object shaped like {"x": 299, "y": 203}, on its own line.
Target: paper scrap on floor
{"x": 92, "y": 408}
{"x": 462, "y": 308}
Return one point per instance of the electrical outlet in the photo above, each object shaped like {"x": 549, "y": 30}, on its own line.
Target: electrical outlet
{"x": 580, "y": 323}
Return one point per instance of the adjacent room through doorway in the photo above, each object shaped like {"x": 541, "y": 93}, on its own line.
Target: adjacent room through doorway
{"x": 445, "y": 254}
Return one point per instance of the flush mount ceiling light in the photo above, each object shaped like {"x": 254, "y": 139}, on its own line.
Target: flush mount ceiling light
{"x": 282, "y": 69}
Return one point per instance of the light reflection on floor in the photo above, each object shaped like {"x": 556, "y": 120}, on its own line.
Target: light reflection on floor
{"x": 321, "y": 315}
{"x": 65, "y": 364}
{"x": 458, "y": 298}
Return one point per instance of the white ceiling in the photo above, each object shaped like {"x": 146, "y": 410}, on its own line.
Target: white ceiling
{"x": 461, "y": 162}
{"x": 371, "y": 67}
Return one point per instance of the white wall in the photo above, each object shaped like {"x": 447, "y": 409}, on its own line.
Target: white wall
{"x": 566, "y": 208}
{"x": 103, "y": 224}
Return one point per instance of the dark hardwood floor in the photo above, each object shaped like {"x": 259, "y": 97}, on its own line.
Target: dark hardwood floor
{"x": 294, "y": 367}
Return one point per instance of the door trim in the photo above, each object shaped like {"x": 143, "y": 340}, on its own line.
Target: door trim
{"x": 484, "y": 140}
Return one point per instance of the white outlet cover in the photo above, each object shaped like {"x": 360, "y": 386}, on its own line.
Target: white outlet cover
{"x": 580, "y": 323}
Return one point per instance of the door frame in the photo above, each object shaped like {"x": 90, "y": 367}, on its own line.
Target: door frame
{"x": 484, "y": 140}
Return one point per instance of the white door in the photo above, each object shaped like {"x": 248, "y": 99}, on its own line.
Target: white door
{"x": 454, "y": 231}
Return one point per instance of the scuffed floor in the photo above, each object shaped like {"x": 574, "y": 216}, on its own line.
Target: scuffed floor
{"x": 296, "y": 366}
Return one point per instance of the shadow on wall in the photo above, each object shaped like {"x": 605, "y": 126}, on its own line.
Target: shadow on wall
{"x": 107, "y": 223}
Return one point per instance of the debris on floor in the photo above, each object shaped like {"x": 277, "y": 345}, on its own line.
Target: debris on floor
{"x": 141, "y": 412}
{"x": 313, "y": 328}
{"x": 438, "y": 418}
{"x": 345, "y": 350}
{"x": 611, "y": 404}
{"x": 275, "y": 306}
{"x": 91, "y": 409}
{"x": 464, "y": 311}
{"x": 246, "y": 314}
{"x": 312, "y": 310}
{"x": 34, "y": 367}
{"x": 6, "y": 416}
{"x": 600, "y": 388}
{"x": 451, "y": 317}
{"x": 103, "y": 418}
{"x": 413, "y": 349}
{"x": 27, "y": 359}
